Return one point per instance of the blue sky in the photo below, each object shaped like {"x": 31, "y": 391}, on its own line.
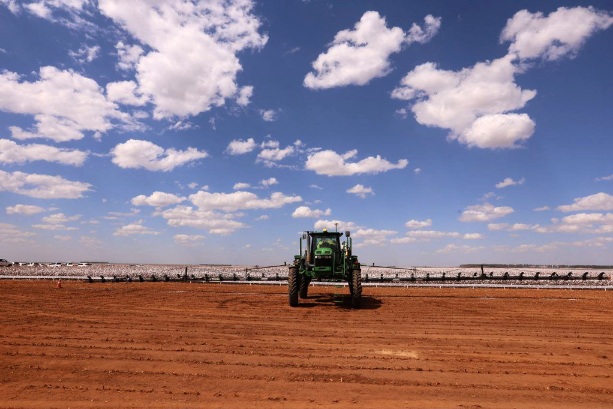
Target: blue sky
{"x": 439, "y": 133}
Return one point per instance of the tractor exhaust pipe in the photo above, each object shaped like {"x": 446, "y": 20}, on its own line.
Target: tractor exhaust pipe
{"x": 307, "y": 236}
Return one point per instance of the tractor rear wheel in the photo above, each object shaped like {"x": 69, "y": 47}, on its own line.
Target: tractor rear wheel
{"x": 304, "y": 286}
{"x": 293, "y": 285}
{"x": 356, "y": 288}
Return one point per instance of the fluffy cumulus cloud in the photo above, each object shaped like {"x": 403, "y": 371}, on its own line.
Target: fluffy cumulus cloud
{"x": 214, "y": 222}
{"x": 598, "y": 201}
{"x": 157, "y": 199}
{"x": 360, "y": 191}
{"x": 371, "y": 237}
{"x": 305, "y": 211}
{"x": 231, "y": 202}
{"x": 27, "y": 210}
{"x": 510, "y": 182}
{"x": 135, "y": 228}
{"x": 472, "y": 103}
{"x": 125, "y": 92}
{"x": 42, "y": 186}
{"x": 135, "y": 154}
{"x": 272, "y": 153}
{"x": 357, "y": 56}
{"x": 244, "y": 95}
{"x": 484, "y": 213}
{"x": 204, "y": 35}
{"x": 269, "y": 115}
{"x": 418, "y": 224}
{"x": 330, "y": 163}
{"x": 64, "y": 104}
{"x": 476, "y": 103}
{"x": 11, "y": 152}
{"x": 331, "y": 225}
{"x": 560, "y": 34}
{"x": 240, "y": 147}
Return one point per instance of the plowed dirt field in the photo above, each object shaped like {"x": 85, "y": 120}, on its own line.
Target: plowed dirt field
{"x": 189, "y": 345}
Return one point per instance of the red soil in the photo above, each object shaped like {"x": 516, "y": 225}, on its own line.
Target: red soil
{"x": 181, "y": 345}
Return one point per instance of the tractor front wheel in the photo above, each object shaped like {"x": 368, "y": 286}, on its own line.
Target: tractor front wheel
{"x": 293, "y": 285}
{"x": 356, "y": 288}
{"x": 304, "y": 286}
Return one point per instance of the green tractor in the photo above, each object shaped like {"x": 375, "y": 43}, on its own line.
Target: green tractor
{"x": 325, "y": 258}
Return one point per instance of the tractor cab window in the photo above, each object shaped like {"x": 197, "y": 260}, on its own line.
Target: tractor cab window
{"x": 325, "y": 242}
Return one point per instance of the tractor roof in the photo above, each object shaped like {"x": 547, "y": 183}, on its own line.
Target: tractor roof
{"x": 325, "y": 233}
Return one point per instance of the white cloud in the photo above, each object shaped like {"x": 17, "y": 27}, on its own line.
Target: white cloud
{"x": 241, "y": 186}
{"x": 372, "y": 237}
{"x": 431, "y": 234}
{"x": 559, "y": 34}
{"x": 230, "y": 202}
{"x": 60, "y": 218}
{"x": 361, "y": 191}
{"x": 418, "y": 224}
{"x": 47, "y": 8}
{"x": 125, "y": 92}
{"x": 204, "y": 36}
{"x": 42, "y": 186}
{"x": 27, "y": 210}
{"x": 455, "y": 248}
{"x": 128, "y": 55}
{"x": 335, "y": 224}
{"x": 473, "y": 103}
{"x": 187, "y": 239}
{"x": 357, "y": 56}
{"x": 269, "y": 182}
{"x": 135, "y": 228}
{"x": 244, "y": 95}
{"x": 598, "y": 201}
{"x": 157, "y": 199}
{"x": 510, "y": 182}
{"x": 484, "y": 213}
{"x": 542, "y": 209}
{"x": 270, "y": 156}
{"x": 590, "y": 223}
{"x": 54, "y": 227}
{"x": 610, "y": 177}
{"x": 472, "y": 236}
{"x": 512, "y": 227}
{"x": 12, "y": 5}
{"x": 215, "y": 223}
{"x": 11, "y": 152}
{"x": 331, "y": 163}
{"x": 85, "y": 54}
{"x": 305, "y": 211}
{"x": 498, "y": 131}
{"x": 135, "y": 154}
{"x": 240, "y": 147}
{"x": 476, "y": 103}
{"x": 403, "y": 240}
{"x": 269, "y": 115}
{"x": 9, "y": 233}
{"x": 65, "y": 104}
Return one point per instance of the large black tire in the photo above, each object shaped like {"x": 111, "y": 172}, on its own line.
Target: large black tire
{"x": 356, "y": 288}
{"x": 293, "y": 285}
{"x": 304, "y": 286}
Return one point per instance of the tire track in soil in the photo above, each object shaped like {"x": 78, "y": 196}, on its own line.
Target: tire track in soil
{"x": 165, "y": 345}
